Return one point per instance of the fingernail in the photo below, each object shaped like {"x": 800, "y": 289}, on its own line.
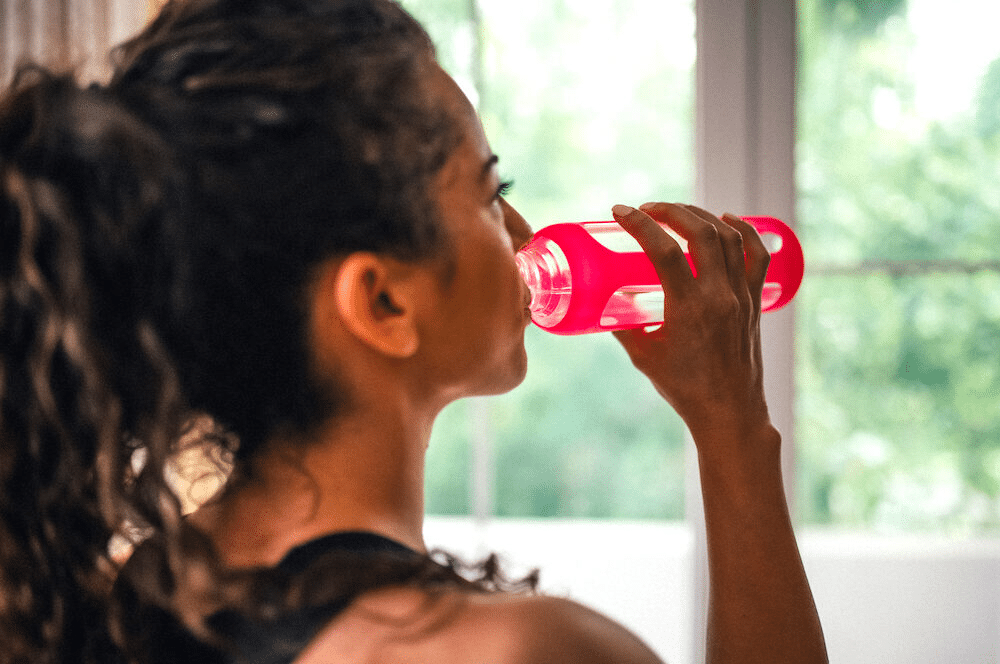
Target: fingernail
{"x": 622, "y": 210}
{"x": 647, "y": 206}
{"x": 730, "y": 217}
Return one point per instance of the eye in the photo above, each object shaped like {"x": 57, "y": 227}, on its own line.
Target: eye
{"x": 504, "y": 188}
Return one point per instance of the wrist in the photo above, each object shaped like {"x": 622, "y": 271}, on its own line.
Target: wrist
{"x": 739, "y": 454}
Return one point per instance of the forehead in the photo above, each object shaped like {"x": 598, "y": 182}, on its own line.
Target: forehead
{"x": 473, "y": 139}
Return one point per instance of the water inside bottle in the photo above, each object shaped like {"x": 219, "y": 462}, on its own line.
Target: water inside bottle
{"x": 614, "y": 237}
{"x": 634, "y": 306}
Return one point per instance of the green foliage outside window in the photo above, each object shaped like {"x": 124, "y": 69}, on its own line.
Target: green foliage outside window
{"x": 898, "y": 319}
{"x": 587, "y": 104}
{"x": 898, "y": 333}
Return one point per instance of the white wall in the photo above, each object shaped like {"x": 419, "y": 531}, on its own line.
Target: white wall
{"x": 906, "y": 599}
{"x": 882, "y": 599}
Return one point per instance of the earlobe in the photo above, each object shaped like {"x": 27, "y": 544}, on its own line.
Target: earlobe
{"x": 375, "y": 301}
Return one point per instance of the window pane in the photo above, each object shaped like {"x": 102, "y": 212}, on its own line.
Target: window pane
{"x": 587, "y": 104}
{"x": 898, "y": 360}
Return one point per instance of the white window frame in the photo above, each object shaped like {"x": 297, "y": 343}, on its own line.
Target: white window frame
{"x": 744, "y": 156}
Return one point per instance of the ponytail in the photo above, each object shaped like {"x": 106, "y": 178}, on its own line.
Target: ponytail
{"x": 82, "y": 373}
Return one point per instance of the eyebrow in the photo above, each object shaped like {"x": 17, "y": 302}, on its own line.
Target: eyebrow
{"x": 490, "y": 163}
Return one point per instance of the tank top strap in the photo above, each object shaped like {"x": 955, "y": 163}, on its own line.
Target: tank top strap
{"x": 281, "y": 639}
{"x": 358, "y": 541}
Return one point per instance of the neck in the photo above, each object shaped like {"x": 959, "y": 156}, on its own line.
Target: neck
{"x": 360, "y": 472}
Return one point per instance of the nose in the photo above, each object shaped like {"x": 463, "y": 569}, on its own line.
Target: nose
{"x": 519, "y": 230}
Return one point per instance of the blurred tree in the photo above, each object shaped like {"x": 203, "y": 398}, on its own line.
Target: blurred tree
{"x": 988, "y": 103}
{"x": 858, "y": 17}
{"x": 898, "y": 368}
{"x": 580, "y": 124}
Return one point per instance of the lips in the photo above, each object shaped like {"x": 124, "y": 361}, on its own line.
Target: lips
{"x": 525, "y": 291}
{"x": 525, "y": 299}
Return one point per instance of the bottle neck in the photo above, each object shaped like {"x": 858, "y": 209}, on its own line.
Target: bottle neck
{"x": 545, "y": 270}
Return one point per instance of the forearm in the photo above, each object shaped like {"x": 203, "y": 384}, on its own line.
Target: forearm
{"x": 761, "y": 608}
{"x": 706, "y": 362}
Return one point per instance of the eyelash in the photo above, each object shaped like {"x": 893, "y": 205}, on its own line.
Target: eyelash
{"x": 504, "y": 188}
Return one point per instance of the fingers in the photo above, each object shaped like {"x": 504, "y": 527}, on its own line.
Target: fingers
{"x": 728, "y": 248}
{"x": 732, "y": 250}
{"x": 701, "y": 234}
{"x": 705, "y": 358}
{"x": 757, "y": 255}
{"x": 664, "y": 252}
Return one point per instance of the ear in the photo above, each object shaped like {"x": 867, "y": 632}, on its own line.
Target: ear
{"x": 376, "y": 297}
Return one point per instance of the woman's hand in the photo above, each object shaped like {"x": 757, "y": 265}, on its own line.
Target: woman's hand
{"x": 705, "y": 359}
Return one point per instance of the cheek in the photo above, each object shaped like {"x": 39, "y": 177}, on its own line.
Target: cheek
{"x": 488, "y": 287}
{"x": 504, "y": 284}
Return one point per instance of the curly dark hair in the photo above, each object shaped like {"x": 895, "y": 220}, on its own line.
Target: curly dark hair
{"x": 308, "y": 131}
{"x": 157, "y": 235}
{"x": 82, "y": 372}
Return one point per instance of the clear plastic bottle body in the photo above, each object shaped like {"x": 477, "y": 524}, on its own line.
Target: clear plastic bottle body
{"x": 594, "y": 277}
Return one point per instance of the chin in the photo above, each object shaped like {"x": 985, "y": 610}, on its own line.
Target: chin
{"x": 523, "y": 367}
{"x": 520, "y": 369}
{"x": 506, "y": 378}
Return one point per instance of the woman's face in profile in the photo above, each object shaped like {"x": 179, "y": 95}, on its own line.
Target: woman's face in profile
{"x": 483, "y": 302}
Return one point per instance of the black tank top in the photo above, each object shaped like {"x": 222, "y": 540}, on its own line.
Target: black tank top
{"x": 277, "y": 639}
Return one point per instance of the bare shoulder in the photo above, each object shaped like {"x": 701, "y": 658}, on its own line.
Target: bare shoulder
{"x": 552, "y": 630}
{"x": 409, "y": 625}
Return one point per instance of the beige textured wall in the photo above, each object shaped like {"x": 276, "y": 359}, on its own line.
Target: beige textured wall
{"x": 67, "y": 34}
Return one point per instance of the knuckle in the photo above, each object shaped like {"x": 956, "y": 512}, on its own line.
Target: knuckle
{"x": 707, "y": 232}
{"x": 724, "y": 306}
{"x": 755, "y": 246}
{"x": 730, "y": 307}
{"x": 765, "y": 259}
{"x": 732, "y": 237}
{"x": 669, "y": 253}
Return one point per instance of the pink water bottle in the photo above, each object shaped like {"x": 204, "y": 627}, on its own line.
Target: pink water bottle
{"x": 594, "y": 277}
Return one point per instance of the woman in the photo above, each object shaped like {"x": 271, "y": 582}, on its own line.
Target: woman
{"x": 278, "y": 233}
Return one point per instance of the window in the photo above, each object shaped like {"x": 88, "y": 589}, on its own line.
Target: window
{"x": 898, "y": 330}
{"x": 883, "y": 374}
{"x": 587, "y": 104}
{"x": 897, "y": 361}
